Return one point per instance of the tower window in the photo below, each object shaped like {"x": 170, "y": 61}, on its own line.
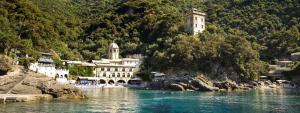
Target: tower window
{"x": 195, "y": 25}
{"x": 113, "y": 75}
{"x": 202, "y": 20}
{"x": 202, "y": 26}
{"x": 102, "y": 69}
{"x": 104, "y": 74}
{"x": 118, "y": 75}
{"x": 116, "y": 69}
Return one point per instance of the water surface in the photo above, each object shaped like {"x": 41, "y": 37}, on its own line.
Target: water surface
{"x": 148, "y": 101}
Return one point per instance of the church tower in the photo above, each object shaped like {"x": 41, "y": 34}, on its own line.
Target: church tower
{"x": 113, "y": 52}
{"x": 195, "y": 22}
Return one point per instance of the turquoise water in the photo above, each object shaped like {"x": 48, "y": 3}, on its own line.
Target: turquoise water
{"x": 147, "y": 101}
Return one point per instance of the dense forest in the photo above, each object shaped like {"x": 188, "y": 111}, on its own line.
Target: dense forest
{"x": 241, "y": 36}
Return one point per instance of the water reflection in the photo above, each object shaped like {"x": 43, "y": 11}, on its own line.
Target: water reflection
{"x": 145, "y": 101}
{"x": 112, "y": 100}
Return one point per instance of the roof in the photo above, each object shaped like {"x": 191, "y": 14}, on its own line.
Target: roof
{"x": 196, "y": 11}
{"x": 113, "y": 46}
{"x": 45, "y": 60}
{"x": 88, "y": 64}
{"x": 136, "y": 78}
{"x": 297, "y": 53}
{"x": 88, "y": 78}
{"x": 157, "y": 74}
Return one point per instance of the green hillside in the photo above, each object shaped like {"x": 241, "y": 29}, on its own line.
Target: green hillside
{"x": 241, "y": 35}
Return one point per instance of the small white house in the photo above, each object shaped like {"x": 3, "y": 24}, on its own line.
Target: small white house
{"x": 45, "y": 65}
{"x": 156, "y": 76}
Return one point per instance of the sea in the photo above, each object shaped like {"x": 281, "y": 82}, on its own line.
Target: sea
{"x": 124, "y": 100}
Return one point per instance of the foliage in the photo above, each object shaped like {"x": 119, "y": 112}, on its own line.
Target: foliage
{"x": 219, "y": 54}
{"x": 26, "y": 61}
{"x": 77, "y": 70}
{"x": 239, "y": 33}
{"x": 294, "y": 72}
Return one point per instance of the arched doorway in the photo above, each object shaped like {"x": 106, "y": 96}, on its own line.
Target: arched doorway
{"x": 56, "y": 76}
{"x": 121, "y": 81}
{"x": 111, "y": 82}
{"x": 101, "y": 81}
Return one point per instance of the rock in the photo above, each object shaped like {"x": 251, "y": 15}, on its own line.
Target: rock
{"x": 268, "y": 82}
{"x": 7, "y": 82}
{"x": 38, "y": 84}
{"x": 60, "y": 90}
{"x": 176, "y": 87}
{"x": 24, "y": 89}
{"x": 228, "y": 85}
{"x": 184, "y": 85}
{"x": 201, "y": 86}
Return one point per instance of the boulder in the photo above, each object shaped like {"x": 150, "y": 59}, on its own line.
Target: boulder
{"x": 202, "y": 86}
{"x": 176, "y": 87}
{"x": 24, "y": 89}
{"x": 228, "y": 85}
{"x": 184, "y": 85}
{"x": 60, "y": 90}
{"x": 38, "y": 84}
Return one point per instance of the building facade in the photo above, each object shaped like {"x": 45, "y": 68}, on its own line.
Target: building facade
{"x": 45, "y": 65}
{"x": 195, "y": 22}
{"x": 115, "y": 70}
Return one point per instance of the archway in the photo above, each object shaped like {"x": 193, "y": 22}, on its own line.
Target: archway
{"x": 101, "y": 81}
{"x": 111, "y": 82}
{"x": 121, "y": 82}
{"x": 56, "y": 76}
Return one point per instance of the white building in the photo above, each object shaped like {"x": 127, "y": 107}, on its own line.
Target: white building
{"x": 195, "y": 22}
{"x": 115, "y": 69}
{"x": 45, "y": 65}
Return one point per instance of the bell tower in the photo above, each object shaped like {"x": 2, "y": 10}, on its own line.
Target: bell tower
{"x": 195, "y": 21}
{"x": 113, "y": 51}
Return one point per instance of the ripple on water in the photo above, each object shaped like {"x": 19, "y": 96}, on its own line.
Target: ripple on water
{"x": 146, "y": 101}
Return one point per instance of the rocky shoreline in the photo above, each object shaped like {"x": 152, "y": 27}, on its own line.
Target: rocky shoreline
{"x": 24, "y": 82}
{"x": 201, "y": 83}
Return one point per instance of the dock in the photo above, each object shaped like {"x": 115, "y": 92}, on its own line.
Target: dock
{"x": 7, "y": 98}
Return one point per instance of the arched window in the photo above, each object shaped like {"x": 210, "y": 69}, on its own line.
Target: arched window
{"x": 123, "y": 69}
{"x": 116, "y": 69}
{"x": 113, "y": 75}
{"x": 128, "y": 75}
{"x": 123, "y": 75}
{"x": 104, "y": 74}
{"x": 118, "y": 75}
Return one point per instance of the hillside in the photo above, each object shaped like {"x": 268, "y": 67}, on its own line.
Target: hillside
{"x": 241, "y": 35}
